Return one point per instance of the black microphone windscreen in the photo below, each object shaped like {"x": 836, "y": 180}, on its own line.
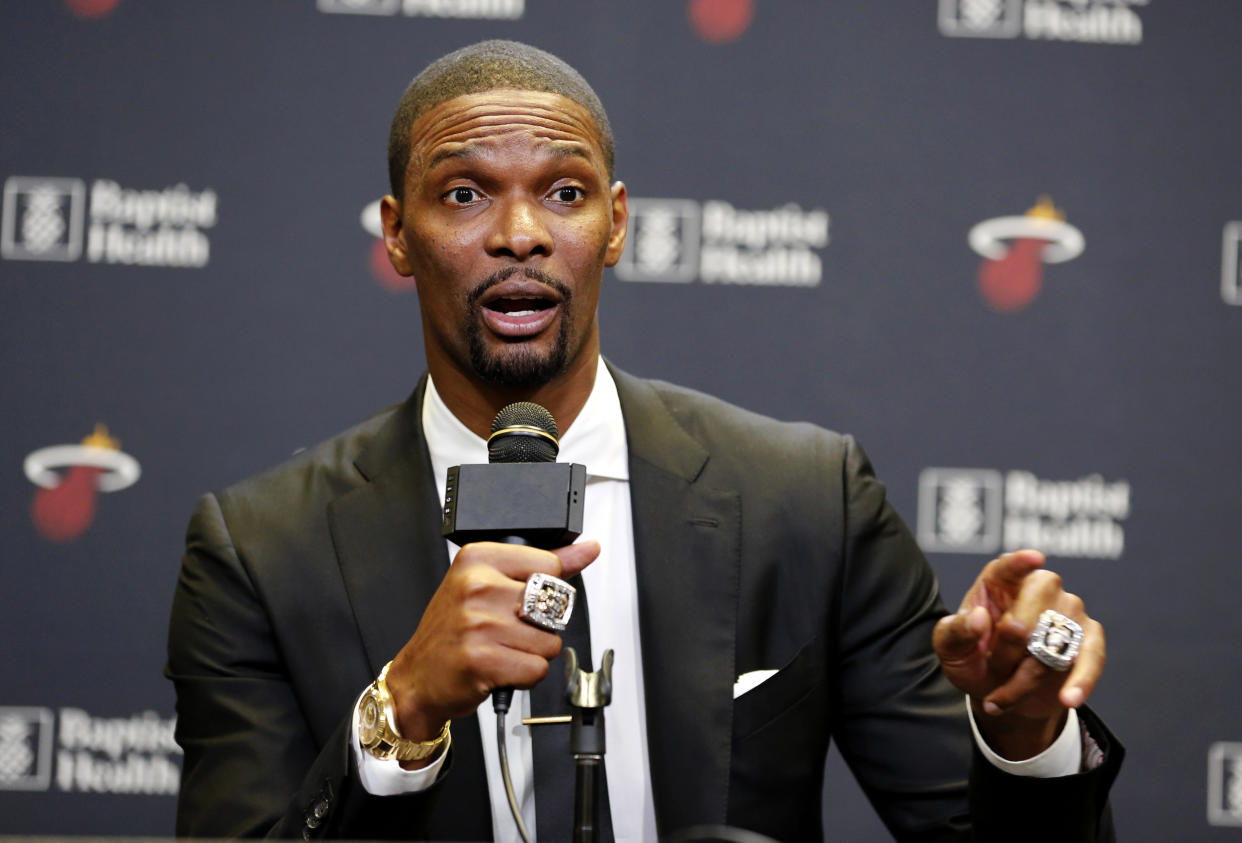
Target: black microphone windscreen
{"x": 523, "y": 432}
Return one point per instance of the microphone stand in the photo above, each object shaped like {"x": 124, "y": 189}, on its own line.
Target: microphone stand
{"x": 588, "y": 694}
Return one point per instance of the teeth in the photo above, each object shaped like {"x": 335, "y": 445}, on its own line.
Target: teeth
{"x": 521, "y": 312}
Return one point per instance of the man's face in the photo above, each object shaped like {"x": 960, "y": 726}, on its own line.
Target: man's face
{"x": 507, "y": 223}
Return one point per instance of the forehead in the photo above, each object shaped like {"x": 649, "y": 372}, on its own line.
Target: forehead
{"x": 473, "y": 123}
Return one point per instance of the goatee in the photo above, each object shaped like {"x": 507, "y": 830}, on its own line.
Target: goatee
{"x": 518, "y": 364}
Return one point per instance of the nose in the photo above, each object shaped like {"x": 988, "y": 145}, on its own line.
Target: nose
{"x": 518, "y": 231}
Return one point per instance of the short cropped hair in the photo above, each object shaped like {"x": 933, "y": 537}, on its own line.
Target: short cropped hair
{"x": 487, "y": 66}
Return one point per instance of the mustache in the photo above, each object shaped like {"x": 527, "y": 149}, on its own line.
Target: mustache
{"x": 534, "y": 274}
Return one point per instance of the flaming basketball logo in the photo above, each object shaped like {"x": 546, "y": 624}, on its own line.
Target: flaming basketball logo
{"x": 69, "y": 478}
{"x": 91, "y": 8}
{"x": 1015, "y": 249}
{"x": 721, "y": 21}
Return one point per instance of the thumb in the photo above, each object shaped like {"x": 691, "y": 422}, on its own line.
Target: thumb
{"x": 957, "y": 637}
{"x": 577, "y": 556}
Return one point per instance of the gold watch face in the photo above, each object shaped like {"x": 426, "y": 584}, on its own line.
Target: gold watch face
{"x": 369, "y": 720}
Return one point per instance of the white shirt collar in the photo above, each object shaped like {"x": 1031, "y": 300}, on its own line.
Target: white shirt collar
{"x": 596, "y": 439}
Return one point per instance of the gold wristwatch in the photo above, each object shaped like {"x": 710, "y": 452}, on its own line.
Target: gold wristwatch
{"x": 377, "y": 727}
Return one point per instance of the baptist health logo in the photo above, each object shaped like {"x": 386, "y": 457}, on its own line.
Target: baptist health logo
{"x": 682, "y": 240}
{"x": 1086, "y": 21}
{"x": 482, "y": 9}
{"x": 25, "y": 748}
{"x": 1225, "y": 784}
{"x": 55, "y": 219}
{"x": 964, "y": 510}
{"x": 1231, "y": 264}
{"x": 127, "y": 755}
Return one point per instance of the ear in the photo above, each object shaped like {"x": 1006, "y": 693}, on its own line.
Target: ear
{"x": 620, "y": 219}
{"x": 395, "y": 235}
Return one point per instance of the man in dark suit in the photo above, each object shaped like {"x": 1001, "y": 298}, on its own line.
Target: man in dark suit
{"x": 778, "y": 599}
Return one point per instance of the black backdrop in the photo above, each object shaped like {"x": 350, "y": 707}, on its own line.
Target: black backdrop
{"x": 185, "y": 259}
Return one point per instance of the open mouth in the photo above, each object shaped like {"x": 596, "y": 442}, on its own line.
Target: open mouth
{"x": 520, "y": 307}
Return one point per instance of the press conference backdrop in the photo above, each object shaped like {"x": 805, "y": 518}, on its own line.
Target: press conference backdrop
{"x": 998, "y": 240}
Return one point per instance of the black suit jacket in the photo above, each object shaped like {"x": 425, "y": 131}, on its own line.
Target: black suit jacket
{"x": 758, "y": 545}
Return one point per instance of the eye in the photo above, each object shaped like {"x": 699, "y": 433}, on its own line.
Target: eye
{"x": 568, "y": 194}
{"x": 462, "y": 195}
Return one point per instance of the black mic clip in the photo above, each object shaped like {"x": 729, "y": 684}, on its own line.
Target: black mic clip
{"x": 588, "y": 694}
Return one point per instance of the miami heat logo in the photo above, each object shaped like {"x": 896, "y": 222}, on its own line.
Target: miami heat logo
{"x": 91, "y": 8}
{"x": 721, "y": 21}
{"x": 70, "y": 477}
{"x": 1015, "y": 249}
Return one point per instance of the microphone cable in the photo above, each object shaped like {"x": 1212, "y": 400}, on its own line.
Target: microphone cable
{"x": 501, "y": 697}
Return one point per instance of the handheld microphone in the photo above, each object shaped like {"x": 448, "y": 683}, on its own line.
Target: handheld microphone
{"x": 522, "y": 496}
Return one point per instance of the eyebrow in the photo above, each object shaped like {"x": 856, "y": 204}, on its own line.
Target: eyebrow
{"x": 559, "y": 149}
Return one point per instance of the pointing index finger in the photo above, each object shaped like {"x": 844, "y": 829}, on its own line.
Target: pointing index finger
{"x": 1008, "y": 570}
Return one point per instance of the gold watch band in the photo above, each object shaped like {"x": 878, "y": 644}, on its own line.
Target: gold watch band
{"x": 387, "y": 743}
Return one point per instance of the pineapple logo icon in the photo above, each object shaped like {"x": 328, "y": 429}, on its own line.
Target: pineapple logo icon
{"x": 25, "y": 748}
{"x": 960, "y": 510}
{"x": 664, "y": 241}
{"x": 43, "y": 219}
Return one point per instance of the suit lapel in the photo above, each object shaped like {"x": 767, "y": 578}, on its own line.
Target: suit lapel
{"x": 686, "y": 547}
{"x": 387, "y": 535}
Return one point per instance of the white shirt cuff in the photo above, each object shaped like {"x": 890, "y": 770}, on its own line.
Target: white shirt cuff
{"x": 1063, "y": 758}
{"x": 388, "y": 778}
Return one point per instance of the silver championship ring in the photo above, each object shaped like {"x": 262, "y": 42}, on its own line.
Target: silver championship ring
{"x": 548, "y": 602}
{"x": 1056, "y": 640}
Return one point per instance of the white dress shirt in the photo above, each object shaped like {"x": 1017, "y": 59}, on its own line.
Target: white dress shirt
{"x": 597, "y": 440}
